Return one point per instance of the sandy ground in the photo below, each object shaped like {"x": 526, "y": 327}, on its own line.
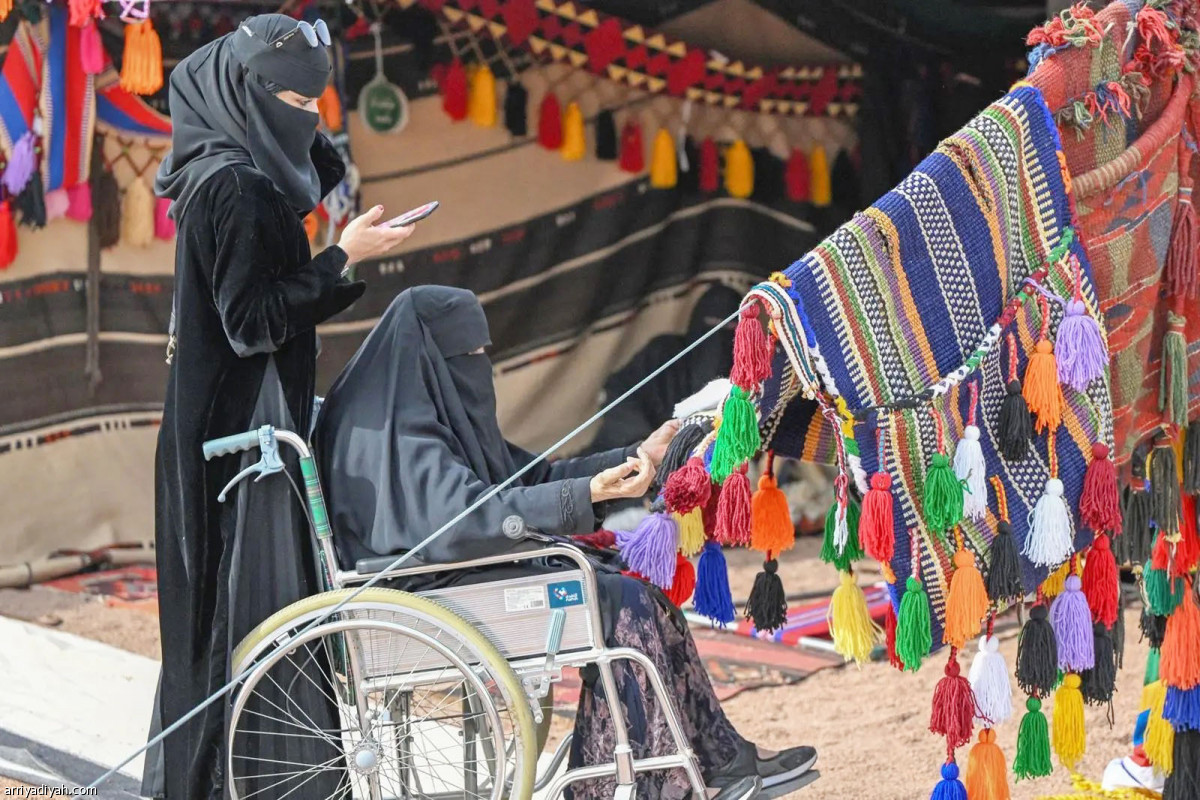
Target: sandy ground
{"x": 869, "y": 725}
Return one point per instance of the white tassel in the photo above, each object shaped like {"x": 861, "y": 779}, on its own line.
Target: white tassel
{"x": 841, "y": 529}
{"x": 1050, "y": 540}
{"x": 989, "y": 682}
{"x": 969, "y": 467}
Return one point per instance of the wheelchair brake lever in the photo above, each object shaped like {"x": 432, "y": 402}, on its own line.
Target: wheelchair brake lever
{"x": 269, "y": 461}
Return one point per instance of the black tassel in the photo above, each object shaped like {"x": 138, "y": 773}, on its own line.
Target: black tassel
{"x": 1164, "y": 490}
{"x": 1118, "y": 631}
{"x": 606, "y": 136}
{"x": 1004, "y": 572}
{"x": 680, "y": 449}
{"x": 1016, "y": 427}
{"x": 1191, "y": 459}
{"x": 767, "y": 605}
{"x": 1154, "y": 628}
{"x": 31, "y": 203}
{"x": 1099, "y": 682}
{"x": 516, "y": 109}
{"x": 1037, "y": 655}
{"x": 106, "y": 209}
{"x": 1184, "y": 781}
{"x": 1134, "y": 543}
{"x": 689, "y": 173}
{"x": 768, "y": 176}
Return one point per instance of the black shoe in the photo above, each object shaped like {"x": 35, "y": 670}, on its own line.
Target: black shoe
{"x": 746, "y": 788}
{"x": 782, "y": 773}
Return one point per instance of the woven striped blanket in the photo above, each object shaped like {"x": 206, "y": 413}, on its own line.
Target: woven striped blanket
{"x": 892, "y": 324}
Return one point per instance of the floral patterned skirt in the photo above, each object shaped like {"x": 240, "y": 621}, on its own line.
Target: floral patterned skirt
{"x": 647, "y": 622}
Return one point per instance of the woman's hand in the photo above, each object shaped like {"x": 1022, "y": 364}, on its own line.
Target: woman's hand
{"x": 657, "y": 442}
{"x": 363, "y": 239}
{"x": 631, "y": 479}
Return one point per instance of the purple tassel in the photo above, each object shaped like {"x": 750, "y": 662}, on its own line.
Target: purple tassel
{"x": 650, "y": 550}
{"x": 713, "y": 598}
{"x": 1072, "y": 622}
{"x": 1182, "y": 708}
{"x": 21, "y": 165}
{"x": 1079, "y": 348}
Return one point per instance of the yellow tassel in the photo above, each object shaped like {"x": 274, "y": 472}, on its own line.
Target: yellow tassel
{"x": 1068, "y": 739}
{"x": 330, "y": 107}
{"x": 1056, "y": 581}
{"x": 481, "y": 102}
{"x": 691, "y": 531}
{"x": 739, "y": 170}
{"x": 1160, "y": 736}
{"x": 820, "y": 182}
{"x": 137, "y": 215}
{"x": 574, "y": 145}
{"x": 141, "y": 69}
{"x": 664, "y": 171}
{"x": 854, "y": 633}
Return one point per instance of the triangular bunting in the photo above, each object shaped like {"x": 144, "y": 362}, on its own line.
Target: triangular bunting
{"x": 577, "y": 59}
{"x": 769, "y": 105}
{"x": 636, "y": 34}
{"x": 538, "y": 45}
{"x": 558, "y": 52}
{"x": 754, "y": 74}
{"x": 475, "y": 23}
{"x": 736, "y": 68}
{"x": 589, "y": 17}
{"x": 548, "y": 6}
{"x": 452, "y": 14}
{"x": 567, "y": 10}
{"x": 657, "y": 41}
{"x": 657, "y": 84}
{"x": 731, "y": 100}
{"x": 834, "y": 109}
{"x": 694, "y": 94}
{"x": 635, "y": 78}
{"x": 617, "y": 73}
{"x": 677, "y": 49}
{"x": 497, "y": 29}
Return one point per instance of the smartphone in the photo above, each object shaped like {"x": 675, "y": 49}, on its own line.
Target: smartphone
{"x": 416, "y": 215}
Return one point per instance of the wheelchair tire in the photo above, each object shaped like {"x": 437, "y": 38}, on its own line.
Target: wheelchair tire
{"x": 378, "y": 610}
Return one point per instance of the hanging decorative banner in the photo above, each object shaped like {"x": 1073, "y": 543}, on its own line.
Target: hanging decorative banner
{"x": 382, "y": 104}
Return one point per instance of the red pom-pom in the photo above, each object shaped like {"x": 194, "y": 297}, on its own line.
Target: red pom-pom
{"x": 454, "y": 91}
{"x": 1100, "y": 504}
{"x": 751, "y": 350}
{"x": 734, "y": 511}
{"x": 953, "y": 705}
{"x": 875, "y": 523}
{"x": 550, "y": 132}
{"x": 688, "y": 487}
{"x": 684, "y": 583}
{"x": 1100, "y": 581}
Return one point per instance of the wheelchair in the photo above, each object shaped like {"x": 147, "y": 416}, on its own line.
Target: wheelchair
{"x": 430, "y": 696}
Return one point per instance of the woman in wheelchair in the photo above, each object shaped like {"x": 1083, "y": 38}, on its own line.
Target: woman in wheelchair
{"x": 408, "y": 437}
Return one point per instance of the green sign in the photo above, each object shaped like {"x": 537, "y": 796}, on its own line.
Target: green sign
{"x": 383, "y": 107}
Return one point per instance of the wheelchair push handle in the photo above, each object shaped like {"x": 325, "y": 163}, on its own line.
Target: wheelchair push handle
{"x": 236, "y": 443}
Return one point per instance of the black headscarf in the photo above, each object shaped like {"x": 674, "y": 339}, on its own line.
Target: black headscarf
{"x": 222, "y": 112}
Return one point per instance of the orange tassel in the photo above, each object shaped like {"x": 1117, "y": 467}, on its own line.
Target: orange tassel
{"x": 987, "y": 777}
{"x": 968, "y": 601}
{"x": 330, "y": 106}
{"x": 141, "y": 68}
{"x": 770, "y": 520}
{"x": 6, "y": 7}
{"x": 1179, "y": 664}
{"x": 1041, "y": 390}
{"x": 311, "y": 226}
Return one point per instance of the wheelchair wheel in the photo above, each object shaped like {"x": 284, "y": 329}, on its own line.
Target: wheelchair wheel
{"x": 393, "y": 696}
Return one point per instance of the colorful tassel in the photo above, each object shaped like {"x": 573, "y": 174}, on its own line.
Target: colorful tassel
{"x": 1016, "y": 424}
{"x": 1042, "y": 391}
{"x": 481, "y": 97}
{"x": 734, "y": 516}
{"x": 820, "y": 183}
{"x": 949, "y": 787}
{"x": 771, "y": 520}
{"x": 1135, "y": 537}
{"x": 739, "y": 170}
{"x": 942, "y": 496}
{"x": 1100, "y": 503}
{"x": 1191, "y": 459}
{"x": 738, "y": 438}
{"x": 796, "y": 178}
{"x": 691, "y": 532}
{"x": 84, "y": 12}
{"x": 31, "y": 203}
{"x": 970, "y": 470}
{"x": 57, "y": 204}
{"x": 840, "y": 546}
{"x": 606, "y": 136}
{"x": 684, "y": 583}
{"x": 91, "y": 49}
{"x": 329, "y": 106}
{"x": 989, "y": 682}
{"x": 953, "y": 713}
{"x": 633, "y": 157}
{"x": 516, "y": 109}
{"x": 550, "y": 127}
{"x": 6, "y": 7}
{"x": 751, "y": 349}
{"x": 22, "y": 164}
{"x": 1050, "y": 540}
{"x": 164, "y": 226}
{"x": 1163, "y": 593}
{"x": 680, "y": 450}
{"x": 1180, "y": 666}
{"x": 1101, "y": 583}
{"x": 141, "y": 65}
{"x": 455, "y": 91}
{"x": 1072, "y": 622}
{"x": 876, "y": 523}
{"x": 889, "y": 628}
{"x": 1004, "y": 573}
{"x": 664, "y": 162}
{"x": 1099, "y": 682}
{"x": 1173, "y": 379}
{"x": 914, "y": 638}
{"x": 1033, "y": 743}
{"x": 574, "y": 146}
{"x": 1184, "y": 781}
{"x": 712, "y": 597}
{"x": 1164, "y": 490}
{"x": 710, "y": 167}
{"x": 767, "y": 605}
{"x": 137, "y": 215}
{"x": 650, "y": 550}
{"x": 1159, "y": 743}
{"x": 1180, "y": 268}
{"x": 854, "y": 633}
{"x": 1069, "y": 741}
{"x": 1037, "y": 654}
{"x": 967, "y": 602}
{"x": 1055, "y": 582}
{"x": 1079, "y": 346}
{"x": 987, "y": 777}
{"x": 1181, "y": 708}
{"x": 79, "y": 202}
{"x": 8, "y": 236}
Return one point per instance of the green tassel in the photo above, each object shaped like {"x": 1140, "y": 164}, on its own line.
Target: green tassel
{"x": 853, "y": 550}
{"x": 1033, "y": 743}
{"x": 942, "y": 496}
{"x": 1162, "y": 594}
{"x": 1172, "y": 391}
{"x": 738, "y": 438}
{"x": 1151, "y": 667}
{"x": 914, "y": 634}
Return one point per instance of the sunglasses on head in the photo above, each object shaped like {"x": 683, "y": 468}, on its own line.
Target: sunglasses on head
{"x": 313, "y": 34}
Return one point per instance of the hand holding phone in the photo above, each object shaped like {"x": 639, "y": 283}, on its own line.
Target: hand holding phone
{"x": 415, "y": 215}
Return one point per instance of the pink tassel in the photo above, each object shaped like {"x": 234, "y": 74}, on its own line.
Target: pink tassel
{"x": 21, "y": 165}
{"x": 734, "y": 511}
{"x": 164, "y": 226}
{"x": 57, "y": 204}
{"x": 79, "y": 203}
{"x": 751, "y": 350}
{"x": 91, "y": 49}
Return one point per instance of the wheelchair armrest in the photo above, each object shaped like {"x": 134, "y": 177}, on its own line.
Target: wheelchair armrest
{"x": 369, "y": 566}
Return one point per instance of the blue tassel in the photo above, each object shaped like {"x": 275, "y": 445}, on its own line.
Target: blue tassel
{"x": 1182, "y": 708}
{"x": 949, "y": 787}
{"x": 713, "y": 598}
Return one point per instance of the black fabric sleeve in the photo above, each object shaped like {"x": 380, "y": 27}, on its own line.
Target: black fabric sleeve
{"x": 566, "y": 468}
{"x": 331, "y": 169}
{"x": 259, "y": 309}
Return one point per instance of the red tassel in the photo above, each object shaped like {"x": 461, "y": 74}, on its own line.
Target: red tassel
{"x": 1160, "y": 556}
{"x": 633, "y": 157}
{"x": 8, "y": 236}
{"x": 734, "y": 511}
{"x": 875, "y": 524}
{"x": 164, "y": 226}
{"x": 688, "y": 487}
{"x": 601, "y": 539}
{"x": 91, "y": 49}
{"x": 1187, "y": 549}
{"x": 1100, "y": 504}
{"x": 454, "y": 91}
{"x": 797, "y": 178}
{"x": 889, "y": 628}
{"x": 751, "y": 350}
{"x": 953, "y": 705}
{"x": 1180, "y": 270}
{"x": 710, "y": 167}
{"x": 684, "y": 583}
{"x": 550, "y": 131}
{"x": 1100, "y": 581}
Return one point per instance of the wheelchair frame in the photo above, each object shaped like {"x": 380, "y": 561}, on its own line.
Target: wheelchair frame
{"x": 537, "y": 672}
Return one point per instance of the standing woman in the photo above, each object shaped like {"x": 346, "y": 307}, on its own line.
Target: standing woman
{"x": 246, "y": 166}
